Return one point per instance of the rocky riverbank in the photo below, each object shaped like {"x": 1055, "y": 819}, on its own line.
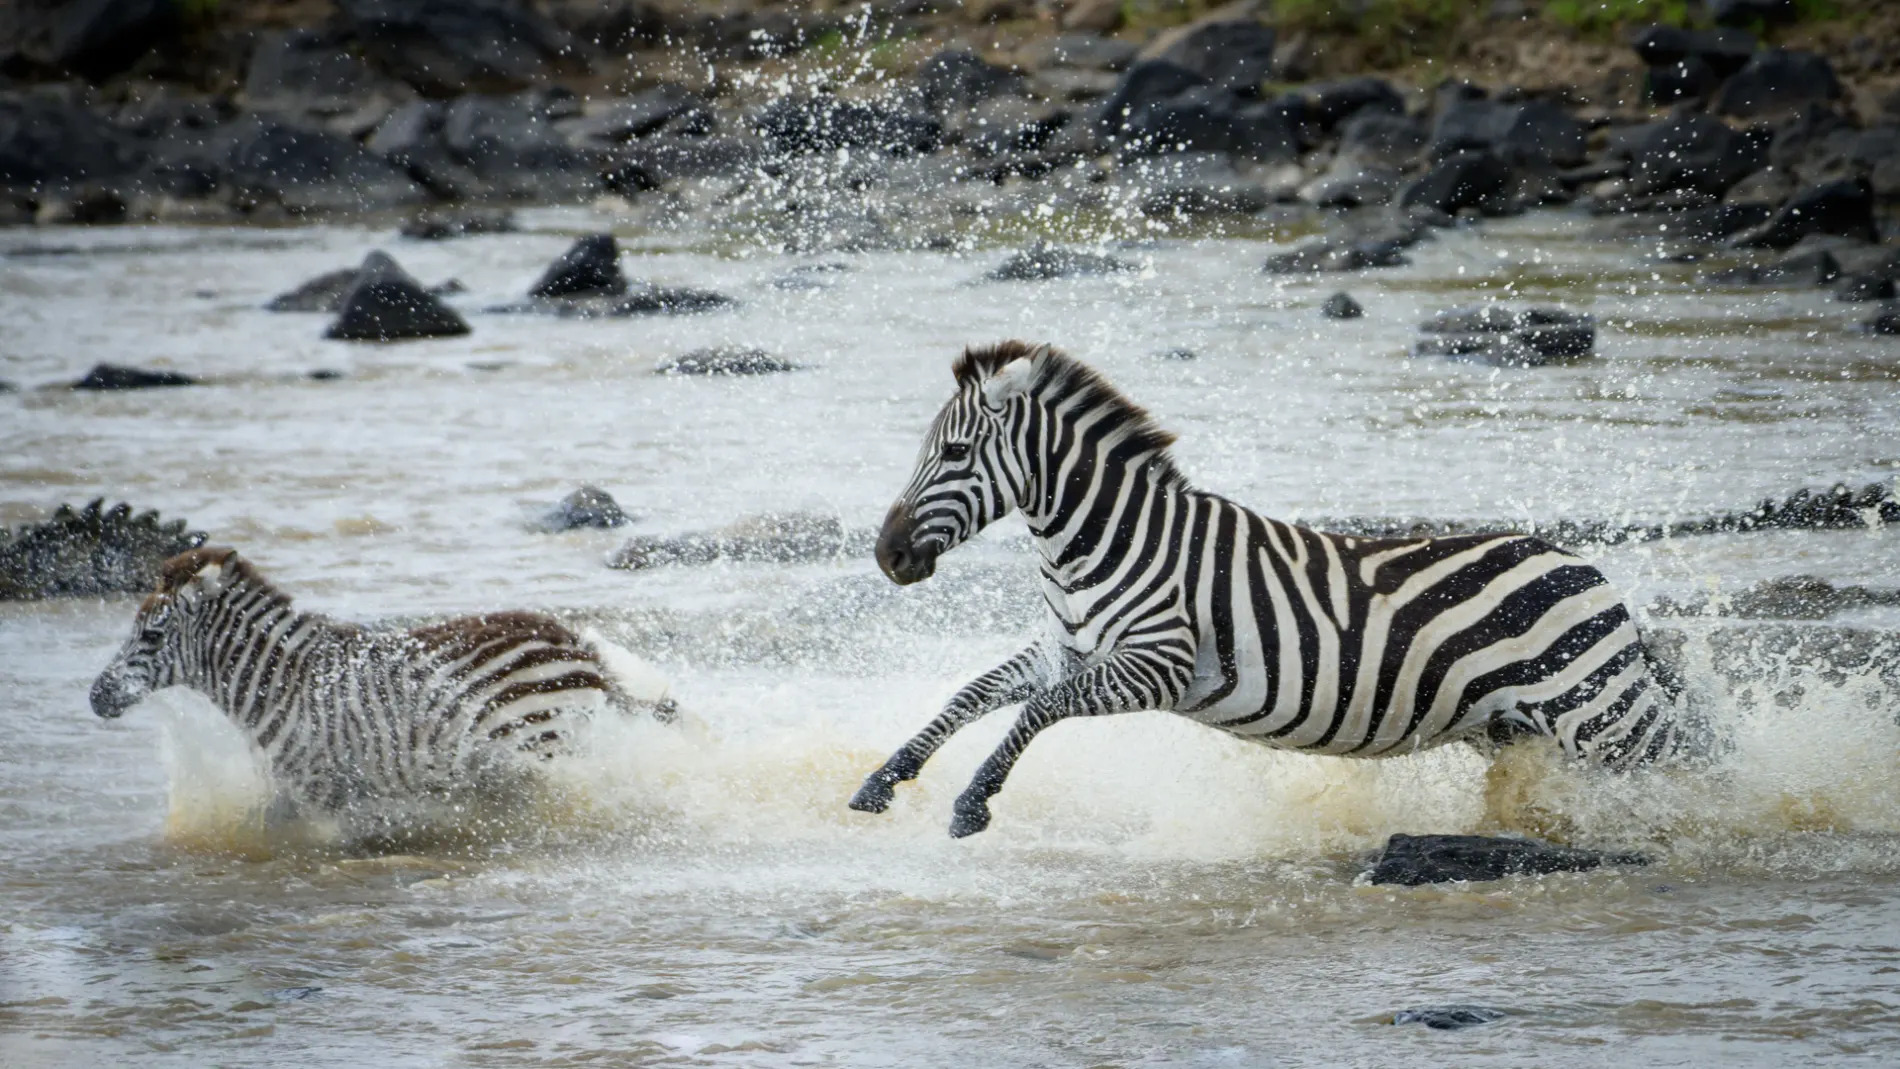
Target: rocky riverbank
{"x": 898, "y": 122}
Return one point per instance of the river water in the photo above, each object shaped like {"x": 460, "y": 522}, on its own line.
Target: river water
{"x": 1150, "y": 892}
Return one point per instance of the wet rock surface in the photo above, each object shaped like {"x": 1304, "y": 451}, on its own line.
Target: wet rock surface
{"x": 587, "y": 507}
{"x": 88, "y": 552}
{"x": 589, "y": 268}
{"x": 1414, "y": 860}
{"x": 385, "y": 303}
{"x": 1495, "y": 334}
{"x": 1043, "y": 261}
{"x": 1449, "y": 1018}
{"x": 121, "y": 377}
{"x": 1341, "y": 306}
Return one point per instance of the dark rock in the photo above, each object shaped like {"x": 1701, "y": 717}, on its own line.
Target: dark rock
{"x": 1777, "y": 81}
{"x": 1350, "y": 184}
{"x": 1341, "y": 306}
{"x": 1411, "y": 860}
{"x": 325, "y": 374}
{"x": 1330, "y": 103}
{"x": 1086, "y": 51}
{"x": 97, "y": 38}
{"x": 1506, "y": 337}
{"x": 46, "y": 143}
{"x": 1866, "y": 288}
{"x": 1711, "y": 222}
{"x": 512, "y": 145}
{"x": 1533, "y": 134}
{"x": 1844, "y": 207}
{"x": 1688, "y": 79}
{"x": 323, "y": 293}
{"x": 1006, "y": 125}
{"x": 1817, "y": 268}
{"x": 1465, "y": 180}
{"x": 1752, "y": 12}
{"x": 306, "y": 169}
{"x": 447, "y": 47}
{"x": 1178, "y": 353}
{"x": 1723, "y": 52}
{"x": 1885, "y": 321}
{"x": 1689, "y": 151}
{"x": 1449, "y": 1018}
{"x": 119, "y": 377}
{"x": 590, "y": 506}
{"x": 1145, "y": 84}
{"x": 589, "y": 268}
{"x": 1043, "y": 261}
{"x": 1373, "y": 136}
{"x": 958, "y": 78}
{"x": 776, "y": 538}
{"x": 646, "y": 298}
{"x": 724, "y": 360}
{"x": 90, "y": 552}
{"x": 650, "y": 164}
{"x": 1328, "y": 254}
{"x": 1206, "y": 119}
{"x": 387, "y": 304}
{"x": 798, "y": 125}
{"x": 439, "y": 225}
{"x": 311, "y": 71}
{"x": 1232, "y": 54}
{"x": 644, "y": 113}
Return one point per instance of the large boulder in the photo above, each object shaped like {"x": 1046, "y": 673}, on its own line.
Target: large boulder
{"x": 958, "y": 78}
{"x": 589, "y": 268}
{"x": 1723, "y": 51}
{"x": 1775, "y": 82}
{"x": 1143, "y": 85}
{"x": 388, "y": 304}
{"x": 48, "y": 144}
{"x": 448, "y": 47}
{"x": 1205, "y": 118}
{"x": 306, "y": 169}
{"x": 1235, "y": 54}
{"x": 307, "y": 70}
{"x": 1844, "y": 207}
{"x": 1330, "y": 103}
{"x": 512, "y": 145}
{"x": 1373, "y": 136}
{"x": 97, "y": 38}
{"x": 799, "y": 125}
{"x": 1689, "y": 151}
{"x": 1533, "y": 134}
{"x": 1477, "y": 180}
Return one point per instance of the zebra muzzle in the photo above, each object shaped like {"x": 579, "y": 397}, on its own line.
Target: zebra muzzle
{"x": 902, "y": 561}
{"x": 110, "y": 697}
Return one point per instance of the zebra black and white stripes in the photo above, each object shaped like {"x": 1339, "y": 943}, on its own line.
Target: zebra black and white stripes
{"x": 1161, "y": 596}
{"x": 346, "y": 714}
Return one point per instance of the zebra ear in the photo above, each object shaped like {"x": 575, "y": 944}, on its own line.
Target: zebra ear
{"x": 1008, "y": 381}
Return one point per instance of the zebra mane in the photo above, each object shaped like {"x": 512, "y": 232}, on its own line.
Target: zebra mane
{"x": 1059, "y": 375}
{"x": 175, "y": 573}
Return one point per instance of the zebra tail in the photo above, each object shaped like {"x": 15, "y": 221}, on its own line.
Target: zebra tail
{"x": 634, "y": 684}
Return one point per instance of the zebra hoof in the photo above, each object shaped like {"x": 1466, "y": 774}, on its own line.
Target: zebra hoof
{"x": 874, "y": 796}
{"x": 969, "y": 818}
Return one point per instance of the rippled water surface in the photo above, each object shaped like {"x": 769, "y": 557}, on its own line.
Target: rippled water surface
{"x": 1151, "y": 893}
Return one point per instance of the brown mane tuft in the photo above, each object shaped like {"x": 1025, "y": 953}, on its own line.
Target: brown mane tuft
{"x": 1057, "y": 374}
{"x": 179, "y": 570}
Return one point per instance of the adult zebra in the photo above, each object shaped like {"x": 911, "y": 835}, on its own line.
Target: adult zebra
{"x": 347, "y": 714}
{"x": 1161, "y": 596}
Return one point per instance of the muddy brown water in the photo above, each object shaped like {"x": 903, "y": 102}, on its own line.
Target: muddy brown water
{"x": 1150, "y": 893}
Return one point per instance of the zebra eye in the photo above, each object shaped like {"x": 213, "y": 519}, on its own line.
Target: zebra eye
{"x": 956, "y": 451}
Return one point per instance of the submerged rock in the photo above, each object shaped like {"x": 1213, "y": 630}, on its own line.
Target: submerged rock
{"x": 325, "y": 292}
{"x": 1411, "y": 860}
{"x": 120, "y": 377}
{"x": 1885, "y": 321}
{"x": 646, "y": 298}
{"x": 89, "y": 552}
{"x": 1447, "y": 1018}
{"x": 1509, "y": 337}
{"x": 724, "y": 360}
{"x": 1328, "y": 254}
{"x": 589, "y": 268}
{"x": 1044, "y": 261}
{"x": 589, "y": 506}
{"x": 1462, "y": 180}
{"x": 778, "y": 538}
{"x": 1341, "y": 306}
{"x": 387, "y": 304}
{"x": 439, "y": 225}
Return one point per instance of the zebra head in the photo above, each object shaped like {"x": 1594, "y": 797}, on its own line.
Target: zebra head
{"x": 969, "y": 471}
{"x": 155, "y": 655}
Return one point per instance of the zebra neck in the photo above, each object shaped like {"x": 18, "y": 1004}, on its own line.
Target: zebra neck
{"x": 243, "y": 645}
{"x": 1093, "y": 498}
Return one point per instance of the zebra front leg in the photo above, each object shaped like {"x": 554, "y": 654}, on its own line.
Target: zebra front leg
{"x": 1012, "y": 681}
{"x": 1124, "y": 685}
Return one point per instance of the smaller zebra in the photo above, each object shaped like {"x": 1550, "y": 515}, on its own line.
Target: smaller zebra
{"x": 347, "y": 714}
